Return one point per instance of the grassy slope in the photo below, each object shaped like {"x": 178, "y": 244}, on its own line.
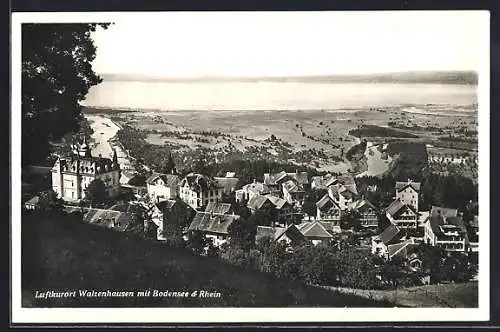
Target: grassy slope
{"x": 462, "y": 295}
{"x": 63, "y": 253}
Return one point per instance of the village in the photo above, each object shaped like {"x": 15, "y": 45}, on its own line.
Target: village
{"x": 207, "y": 207}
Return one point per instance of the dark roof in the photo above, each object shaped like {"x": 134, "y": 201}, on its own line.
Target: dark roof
{"x": 292, "y": 186}
{"x": 229, "y": 184}
{"x": 275, "y": 233}
{"x": 389, "y": 234}
{"x": 166, "y": 205}
{"x": 314, "y": 230}
{"x": 218, "y": 208}
{"x": 212, "y": 223}
{"x": 256, "y": 202}
{"x": 403, "y": 185}
{"x": 170, "y": 180}
{"x": 277, "y": 201}
{"x": 397, "y": 205}
{"x": 362, "y": 205}
{"x": 292, "y": 232}
{"x": 199, "y": 182}
{"x": 275, "y": 178}
{"x": 104, "y": 218}
{"x": 326, "y": 203}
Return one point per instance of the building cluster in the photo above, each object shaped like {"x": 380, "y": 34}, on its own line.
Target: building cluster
{"x": 443, "y": 227}
{"x": 200, "y": 203}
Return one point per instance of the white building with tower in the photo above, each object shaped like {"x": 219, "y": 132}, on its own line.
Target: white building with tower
{"x": 71, "y": 175}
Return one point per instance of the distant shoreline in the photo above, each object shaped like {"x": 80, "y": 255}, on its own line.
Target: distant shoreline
{"x": 454, "y": 77}
{"x": 110, "y": 109}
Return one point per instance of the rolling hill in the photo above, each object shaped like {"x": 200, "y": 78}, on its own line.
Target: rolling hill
{"x": 61, "y": 252}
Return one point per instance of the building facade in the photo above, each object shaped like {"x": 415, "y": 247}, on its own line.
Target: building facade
{"x": 198, "y": 190}
{"x": 72, "y": 175}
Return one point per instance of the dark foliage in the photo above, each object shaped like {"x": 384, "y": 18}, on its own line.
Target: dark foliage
{"x": 56, "y": 75}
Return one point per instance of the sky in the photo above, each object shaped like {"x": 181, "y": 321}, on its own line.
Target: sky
{"x": 194, "y": 44}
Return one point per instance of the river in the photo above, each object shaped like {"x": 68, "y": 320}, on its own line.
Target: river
{"x": 104, "y": 132}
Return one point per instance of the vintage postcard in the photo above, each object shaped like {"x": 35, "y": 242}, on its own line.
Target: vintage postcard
{"x": 217, "y": 167}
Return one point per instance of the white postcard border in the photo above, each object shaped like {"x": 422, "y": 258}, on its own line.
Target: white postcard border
{"x": 235, "y": 315}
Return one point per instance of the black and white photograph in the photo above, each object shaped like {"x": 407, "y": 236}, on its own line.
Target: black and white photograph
{"x": 250, "y": 166}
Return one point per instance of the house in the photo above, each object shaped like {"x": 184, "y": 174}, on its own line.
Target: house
{"x": 251, "y": 189}
{"x": 269, "y": 202}
{"x": 408, "y": 193}
{"x": 71, "y": 175}
{"x": 105, "y": 218}
{"x": 401, "y": 214}
{"x": 368, "y": 213}
{"x": 342, "y": 195}
{"x": 213, "y": 226}
{"x": 198, "y": 190}
{"x": 290, "y": 235}
{"x": 315, "y": 232}
{"x": 173, "y": 211}
{"x": 446, "y": 229}
{"x": 219, "y": 208}
{"x": 328, "y": 211}
{"x": 293, "y": 192}
{"x": 274, "y": 180}
{"x": 473, "y": 235}
{"x": 400, "y": 249}
{"x": 322, "y": 182}
{"x": 391, "y": 235}
{"x": 229, "y": 183}
{"x": 32, "y": 203}
{"x": 162, "y": 186}
{"x": 327, "y": 180}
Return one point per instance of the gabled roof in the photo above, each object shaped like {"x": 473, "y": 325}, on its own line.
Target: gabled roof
{"x": 170, "y": 180}
{"x": 292, "y": 232}
{"x": 314, "y": 230}
{"x": 361, "y": 205}
{"x": 277, "y": 201}
{"x": 275, "y": 178}
{"x": 166, "y": 205}
{"x": 403, "y": 185}
{"x": 399, "y": 249}
{"x": 326, "y": 203}
{"x": 256, "y": 187}
{"x": 339, "y": 189}
{"x": 199, "y": 182}
{"x": 256, "y": 202}
{"x": 212, "y": 223}
{"x": 292, "y": 187}
{"x": 218, "y": 208}
{"x": 396, "y": 206}
{"x": 229, "y": 184}
{"x": 389, "y": 234}
{"x": 105, "y": 218}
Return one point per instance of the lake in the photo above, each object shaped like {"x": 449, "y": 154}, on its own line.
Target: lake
{"x": 272, "y": 95}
